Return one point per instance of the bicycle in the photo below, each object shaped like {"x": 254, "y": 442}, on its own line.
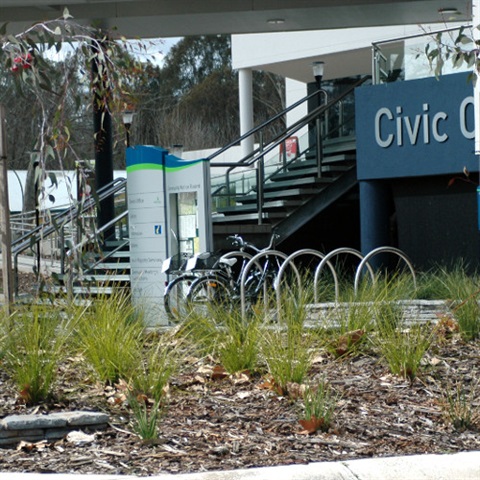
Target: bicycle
{"x": 223, "y": 287}
{"x": 186, "y": 270}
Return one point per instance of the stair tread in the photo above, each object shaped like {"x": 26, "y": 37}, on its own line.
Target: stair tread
{"x": 277, "y": 204}
{"x": 329, "y": 160}
{"x": 293, "y": 192}
{"x": 329, "y": 171}
{"x": 97, "y": 278}
{"x": 112, "y": 266}
{"x": 85, "y": 290}
{"x": 119, "y": 254}
{"x": 296, "y": 182}
{"x": 248, "y": 217}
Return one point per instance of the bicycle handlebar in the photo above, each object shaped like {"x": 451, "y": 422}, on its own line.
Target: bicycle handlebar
{"x": 238, "y": 241}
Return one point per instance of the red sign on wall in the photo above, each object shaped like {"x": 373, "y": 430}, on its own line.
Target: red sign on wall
{"x": 290, "y": 146}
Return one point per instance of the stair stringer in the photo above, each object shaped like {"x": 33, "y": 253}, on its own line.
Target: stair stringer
{"x": 315, "y": 205}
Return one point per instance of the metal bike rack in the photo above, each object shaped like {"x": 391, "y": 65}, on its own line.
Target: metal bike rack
{"x": 325, "y": 261}
{"x": 289, "y": 260}
{"x": 376, "y": 251}
{"x": 248, "y": 266}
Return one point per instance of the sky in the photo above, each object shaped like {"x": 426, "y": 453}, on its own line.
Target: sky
{"x": 154, "y": 49}
{"x": 158, "y": 48}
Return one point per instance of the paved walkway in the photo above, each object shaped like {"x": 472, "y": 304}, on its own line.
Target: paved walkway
{"x": 458, "y": 466}
{"x": 26, "y": 263}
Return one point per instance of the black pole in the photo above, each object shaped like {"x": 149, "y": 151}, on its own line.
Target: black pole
{"x": 36, "y": 166}
{"x": 102, "y": 124}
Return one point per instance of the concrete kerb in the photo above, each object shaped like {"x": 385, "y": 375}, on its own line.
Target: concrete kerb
{"x": 457, "y": 466}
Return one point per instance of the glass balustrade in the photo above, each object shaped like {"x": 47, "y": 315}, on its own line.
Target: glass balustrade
{"x": 405, "y": 58}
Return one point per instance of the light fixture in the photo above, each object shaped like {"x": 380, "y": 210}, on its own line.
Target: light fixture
{"x": 448, "y": 11}
{"x": 276, "y": 21}
{"x": 127, "y": 117}
{"x": 318, "y": 69}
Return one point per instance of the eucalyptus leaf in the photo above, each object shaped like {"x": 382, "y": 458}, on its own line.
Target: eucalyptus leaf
{"x": 53, "y": 179}
{"x": 49, "y": 152}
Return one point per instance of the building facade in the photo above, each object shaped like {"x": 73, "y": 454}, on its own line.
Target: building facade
{"x": 416, "y": 165}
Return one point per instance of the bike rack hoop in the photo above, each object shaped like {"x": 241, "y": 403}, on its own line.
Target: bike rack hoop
{"x": 333, "y": 253}
{"x": 288, "y": 261}
{"x": 375, "y": 252}
{"x": 248, "y": 266}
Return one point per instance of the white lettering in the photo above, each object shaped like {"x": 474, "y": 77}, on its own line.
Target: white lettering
{"x": 436, "y": 119}
{"x": 390, "y": 128}
{"x": 399, "y": 127}
{"x": 413, "y": 131}
{"x": 383, "y": 112}
{"x": 426, "y": 132}
{"x": 467, "y": 102}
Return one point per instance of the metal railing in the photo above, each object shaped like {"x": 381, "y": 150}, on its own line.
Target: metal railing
{"x": 264, "y": 163}
{"x": 66, "y": 227}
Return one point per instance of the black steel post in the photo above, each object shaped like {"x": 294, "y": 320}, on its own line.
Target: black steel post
{"x": 102, "y": 124}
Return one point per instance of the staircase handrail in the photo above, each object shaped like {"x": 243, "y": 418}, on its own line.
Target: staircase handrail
{"x": 309, "y": 117}
{"x": 98, "y": 231}
{"x": 72, "y": 213}
{"x": 258, "y": 155}
{"x": 261, "y": 127}
{"x": 94, "y": 234}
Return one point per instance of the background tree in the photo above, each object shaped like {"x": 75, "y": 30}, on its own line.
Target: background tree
{"x": 193, "y": 99}
{"x": 55, "y": 97}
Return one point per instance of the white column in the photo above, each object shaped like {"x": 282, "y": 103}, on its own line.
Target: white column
{"x": 246, "y": 108}
{"x": 476, "y": 93}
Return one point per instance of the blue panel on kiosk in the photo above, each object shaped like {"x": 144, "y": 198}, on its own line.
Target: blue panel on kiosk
{"x": 415, "y": 128}
{"x": 145, "y": 155}
{"x": 175, "y": 164}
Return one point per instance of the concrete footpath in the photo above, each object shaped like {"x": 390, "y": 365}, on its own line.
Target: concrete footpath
{"x": 458, "y": 466}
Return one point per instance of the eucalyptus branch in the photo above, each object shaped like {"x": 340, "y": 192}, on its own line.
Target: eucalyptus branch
{"x": 461, "y": 49}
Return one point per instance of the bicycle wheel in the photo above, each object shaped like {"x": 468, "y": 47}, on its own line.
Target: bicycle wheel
{"x": 175, "y": 297}
{"x": 208, "y": 292}
{"x": 241, "y": 259}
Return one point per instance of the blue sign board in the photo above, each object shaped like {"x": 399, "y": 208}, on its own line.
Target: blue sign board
{"x": 415, "y": 128}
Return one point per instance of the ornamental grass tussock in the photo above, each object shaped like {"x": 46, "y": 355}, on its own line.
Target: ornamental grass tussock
{"x": 320, "y": 402}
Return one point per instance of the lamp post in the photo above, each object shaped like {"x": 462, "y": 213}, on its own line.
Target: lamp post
{"x": 127, "y": 123}
{"x": 318, "y": 70}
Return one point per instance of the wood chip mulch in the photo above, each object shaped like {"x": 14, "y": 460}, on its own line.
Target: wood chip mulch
{"x": 234, "y": 421}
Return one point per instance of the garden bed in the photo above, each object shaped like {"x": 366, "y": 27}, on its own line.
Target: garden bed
{"x": 238, "y": 422}
{"x": 214, "y": 420}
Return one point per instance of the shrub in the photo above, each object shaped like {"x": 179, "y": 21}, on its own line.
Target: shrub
{"x": 145, "y": 418}
{"x": 460, "y": 408}
{"x": 287, "y": 349}
{"x": 159, "y": 363}
{"x": 110, "y": 335}
{"x": 402, "y": 346}
{"x": 34, "y": 344}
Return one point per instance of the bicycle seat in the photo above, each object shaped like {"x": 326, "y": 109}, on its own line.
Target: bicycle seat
{"x": 228, "y": 261}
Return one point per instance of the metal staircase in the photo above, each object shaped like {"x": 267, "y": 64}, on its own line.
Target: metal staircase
{"x": 90, "y": 265}
{"x": 287, "y": 183}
